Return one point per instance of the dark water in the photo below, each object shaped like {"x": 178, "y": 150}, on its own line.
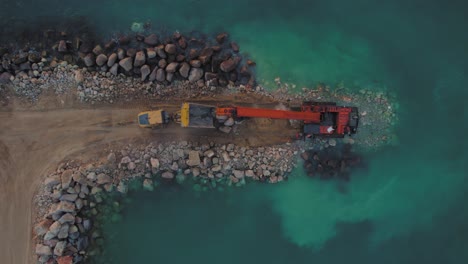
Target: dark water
{"x": 409, "y": 207}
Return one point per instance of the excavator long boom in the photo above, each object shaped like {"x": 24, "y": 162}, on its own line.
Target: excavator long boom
{"x": 239, "y": 111}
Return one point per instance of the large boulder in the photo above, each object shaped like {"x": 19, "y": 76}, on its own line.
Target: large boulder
{"x": 89, "y": 60}
{"x": 67, "y": 218}
{"x": 69, "y": 197}
{"x": 151, "y": 40}
{"x": 42, "y": 227}
{"x": 145, "y": 71}
{"x": 66, "y": 178}
{"x": 103, "y": 179}
{"x": 152, "y": 75}
{"x": 126, "y": 64}
{"x": 239, "y": 174}
{"x": 65, "y": 260}
{"x": 229, "y": 64}
{"x": 62, "y": 207}
{"x": 194, "y": 158}
{"x": 160, "y": 75}
{"x": 114, "y": 70}
{"x": 170, "y": 49}
{"x": 52, "y": 180}
{"x": 112, "y": 59}
{"x": 101, "y": 59}
{"x": 60, "y": 248}
{"x": 167, "y": 175}
{"x": 184, "y": 70}
{"x": 55, "y": 227}
{"x": 154, "y": 163}
{"x": 63, "y": 233}
{"x": 221, "y": 37}
{"x": 195, "y": 74}
{"x": 172, "y": 67}
{"x": 205, "y": 55}
{"x": 140, "y": 59}
{"x": 43, "y": 250}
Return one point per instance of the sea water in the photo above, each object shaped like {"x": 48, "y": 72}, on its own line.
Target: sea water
{"x": 409, "y": 206}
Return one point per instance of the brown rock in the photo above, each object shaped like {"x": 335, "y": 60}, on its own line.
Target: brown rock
{"x": 112, "y": 59}
{"x": 140, "y": 59}
{"x": 229, "y": 65}
{"x": 205, "y": 55}
{"x": 167, "y": 175}
{"x": 170, "y": 49}
{"x": 182, "y": 43}
{"x": 193, "y": 53}
{"x": 221, "y": 37}
{"x": 151, "y": 53}
{"x": 121, "y": 54}
{"x": 172, "y": 67}
{"x": 110, "y": 45}
{"x": 210, "y": 76}
{"x": 195, "y": 63}
{"x": 162, "y": 63}
{"x": 131, "y": 52}
{"x": 126, "y": 64}
{"x": 235, "y": 46}
{"x": 169, "y": 76}
{"x": 180, "y": 58}
{"x": 65, "y": 260}
{"x": 160, "y": 51}
{"x": 62, "y": 46}
{"x": 42, "y": 227}
{"x": 124, "y": 40}
{"x": 151, "y": 40}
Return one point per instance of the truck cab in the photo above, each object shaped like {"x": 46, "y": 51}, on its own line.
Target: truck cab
{"x": 153, "y": 119}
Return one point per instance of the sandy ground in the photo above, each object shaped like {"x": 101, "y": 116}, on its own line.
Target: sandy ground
{"x": 33, "y": 141}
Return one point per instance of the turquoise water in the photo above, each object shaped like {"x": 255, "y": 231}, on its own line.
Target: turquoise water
{"x": 408, "y": 207}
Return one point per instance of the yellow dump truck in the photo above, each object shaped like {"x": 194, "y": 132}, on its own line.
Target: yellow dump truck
{"x": 190, "y": 115}
{"x": 152, "y": 119}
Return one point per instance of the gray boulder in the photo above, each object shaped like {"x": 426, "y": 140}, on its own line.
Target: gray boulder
{"x": 145, "y": 71}
{"x": 184, "y": 70}
{"x": 160, "y": 75}
{"x": 112, "y": 59}
{"x": 67, "y": 218}
{"x": 60, "y": 248}
{"x": 126, "y": 63}
{"x": 89, "y": 60}
{"x": 195, "y": 74}
{"x": 43, "y": 250}
{"x": 101, "y": 60}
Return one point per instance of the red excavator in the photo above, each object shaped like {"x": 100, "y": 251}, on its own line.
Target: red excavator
{"x": 319, "y": 118}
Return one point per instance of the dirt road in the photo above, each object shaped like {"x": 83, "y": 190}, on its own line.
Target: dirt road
{"x": 34, "y": 142}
